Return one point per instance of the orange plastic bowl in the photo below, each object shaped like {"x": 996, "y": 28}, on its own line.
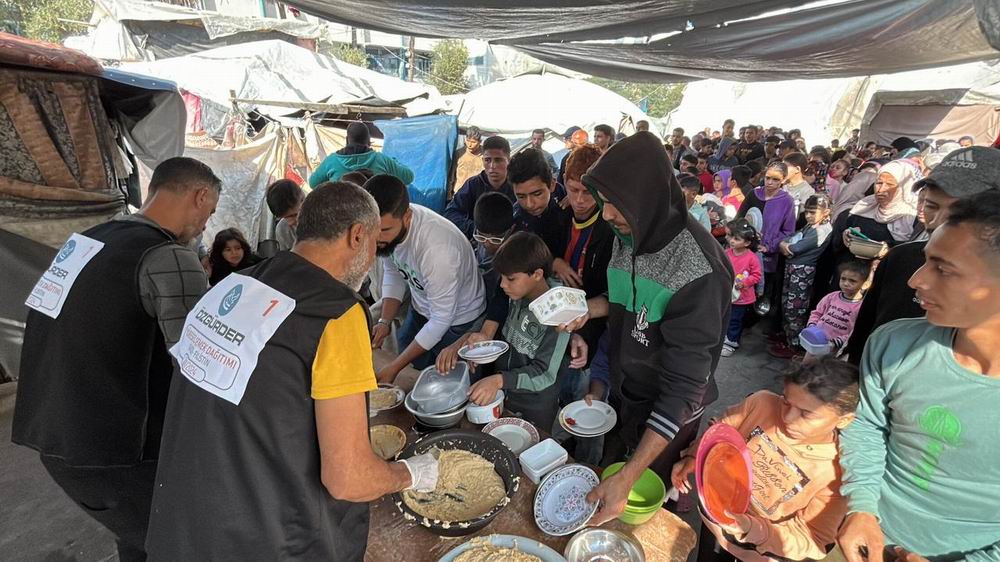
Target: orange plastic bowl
{"x": 723, "y": 473}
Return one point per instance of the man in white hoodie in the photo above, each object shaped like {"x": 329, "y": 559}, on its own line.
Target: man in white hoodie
{"x": 428, "y": 254}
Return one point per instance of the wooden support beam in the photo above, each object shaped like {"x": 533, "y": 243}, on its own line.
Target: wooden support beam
{"x": 339, "y": 108}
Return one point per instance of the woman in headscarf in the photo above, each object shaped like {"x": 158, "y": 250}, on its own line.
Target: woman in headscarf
{"x": 888, "y": 215}
{"x": 729, "y": 195}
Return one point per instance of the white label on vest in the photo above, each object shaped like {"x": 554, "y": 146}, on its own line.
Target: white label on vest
{"x": 225, "y": 332}
{"x": 52, "y": 289}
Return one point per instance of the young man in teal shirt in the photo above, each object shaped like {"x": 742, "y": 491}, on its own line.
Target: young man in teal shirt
{"x": 922, "y": 462}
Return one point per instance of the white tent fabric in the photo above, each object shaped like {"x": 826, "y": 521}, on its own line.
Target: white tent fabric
{"x": 828, "y": 108}
{"x": 822, "y": 109}
{"x": 944, "y": 103}
{"x": 279, "y": 71}
{"x": 518, "y": 105}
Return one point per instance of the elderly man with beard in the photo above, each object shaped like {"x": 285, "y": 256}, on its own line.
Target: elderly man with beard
{"x": 265, "y": 452}
{"x": 428, "y": 254}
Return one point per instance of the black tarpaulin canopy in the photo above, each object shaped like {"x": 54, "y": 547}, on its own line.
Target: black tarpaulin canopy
{"x": 679, "y": 40}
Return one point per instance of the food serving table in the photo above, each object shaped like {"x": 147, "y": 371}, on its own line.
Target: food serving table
{"x": 665, "y": 538}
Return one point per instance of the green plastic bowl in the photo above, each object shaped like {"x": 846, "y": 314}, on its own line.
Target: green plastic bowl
{"x": 635, "y": 518}
{"x": 645, "y": 497}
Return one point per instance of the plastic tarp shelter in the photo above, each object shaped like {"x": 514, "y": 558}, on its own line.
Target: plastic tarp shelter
{"x": 516, "y": 106}
{"x": 830, "y": 108}
{"x": 909, "y": 105}
{"x": 681, "y": 40}
{"x": 276, "y": 71}
{"x": 822, "y": 109}
{"x": 426, "y": 145}
{"x": 132, "y": 30}
{"x": 74, "y": 135}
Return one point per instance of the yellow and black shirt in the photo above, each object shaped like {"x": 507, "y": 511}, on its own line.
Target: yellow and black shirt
{"x": 242, "y": 482}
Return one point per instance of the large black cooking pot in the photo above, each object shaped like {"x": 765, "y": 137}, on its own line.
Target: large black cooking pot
{"x": 487, "y": 446}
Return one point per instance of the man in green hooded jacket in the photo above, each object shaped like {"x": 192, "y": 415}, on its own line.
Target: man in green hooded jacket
{"x": 669, "y": 289}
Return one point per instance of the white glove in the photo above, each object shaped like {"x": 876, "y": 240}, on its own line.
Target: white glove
{"x": 423, "y": 472}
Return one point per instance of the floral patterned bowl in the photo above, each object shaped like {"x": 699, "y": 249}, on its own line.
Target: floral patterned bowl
{"x": 561, "y": 506}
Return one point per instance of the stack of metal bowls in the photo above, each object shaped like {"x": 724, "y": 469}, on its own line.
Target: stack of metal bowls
{"x": 446, "y": 419}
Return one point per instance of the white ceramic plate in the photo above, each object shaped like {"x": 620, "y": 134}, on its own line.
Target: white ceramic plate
{"x": 521, "y": 544}
{"x": 560, "y": 505}
{"x": 484, "y": 351}
{"x": 597, "y": 433}
{"x": 580, "y": 419}
{"x": 516, "y": 433}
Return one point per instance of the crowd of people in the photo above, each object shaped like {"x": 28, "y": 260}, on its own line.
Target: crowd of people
{"x": 874, "y": 270}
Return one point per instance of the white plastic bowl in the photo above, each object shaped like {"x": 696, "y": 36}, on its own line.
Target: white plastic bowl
{"x": 488, "y": 413}
{"x": 542, "y": 459}
{"x": 559, "y": 305}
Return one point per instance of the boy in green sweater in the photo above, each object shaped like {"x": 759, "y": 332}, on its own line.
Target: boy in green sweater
{"x": 529, "y": 370}
{"x": 922, "y": 462}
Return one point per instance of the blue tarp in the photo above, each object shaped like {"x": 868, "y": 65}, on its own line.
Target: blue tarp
{"x": 426, "y": 145}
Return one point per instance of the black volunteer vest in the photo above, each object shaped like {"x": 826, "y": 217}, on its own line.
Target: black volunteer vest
{"x": 243, "y": 482}
{"x": 94, "y": 382}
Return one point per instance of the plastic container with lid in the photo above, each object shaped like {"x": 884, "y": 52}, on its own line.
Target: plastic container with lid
{"x": 435, "y": 392}
{"x": 814, "y": 341}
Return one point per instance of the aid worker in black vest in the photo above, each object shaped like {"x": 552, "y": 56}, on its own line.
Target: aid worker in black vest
{"x": 265, "y": 453}
{"x": 94, "y": 367}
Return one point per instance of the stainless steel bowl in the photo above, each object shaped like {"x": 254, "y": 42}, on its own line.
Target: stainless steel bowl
{"x": 442, "y": 420}
{"x": 603, "y": 545}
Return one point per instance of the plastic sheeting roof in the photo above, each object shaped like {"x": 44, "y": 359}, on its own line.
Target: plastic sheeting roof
{"x": 848, "y": 38}
{"x": 526, "y": 21}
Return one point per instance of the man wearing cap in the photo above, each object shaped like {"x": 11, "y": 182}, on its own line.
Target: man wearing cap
{"x": 962, "y": 174}
{"x": 358, "y": 155}
{"x": 920, "y": 459}
{"x": 468, "y": 160}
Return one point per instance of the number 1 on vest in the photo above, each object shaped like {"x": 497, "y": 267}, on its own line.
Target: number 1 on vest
{"x": 274, "y": 303}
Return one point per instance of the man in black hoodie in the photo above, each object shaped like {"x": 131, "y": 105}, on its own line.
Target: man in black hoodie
{"x": 669, "y": 290}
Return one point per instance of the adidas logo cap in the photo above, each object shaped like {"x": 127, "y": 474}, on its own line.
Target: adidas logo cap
{"x": 966, "y": 172}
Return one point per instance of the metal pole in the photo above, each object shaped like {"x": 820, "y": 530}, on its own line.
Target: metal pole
{"x": 413, "y": 68}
